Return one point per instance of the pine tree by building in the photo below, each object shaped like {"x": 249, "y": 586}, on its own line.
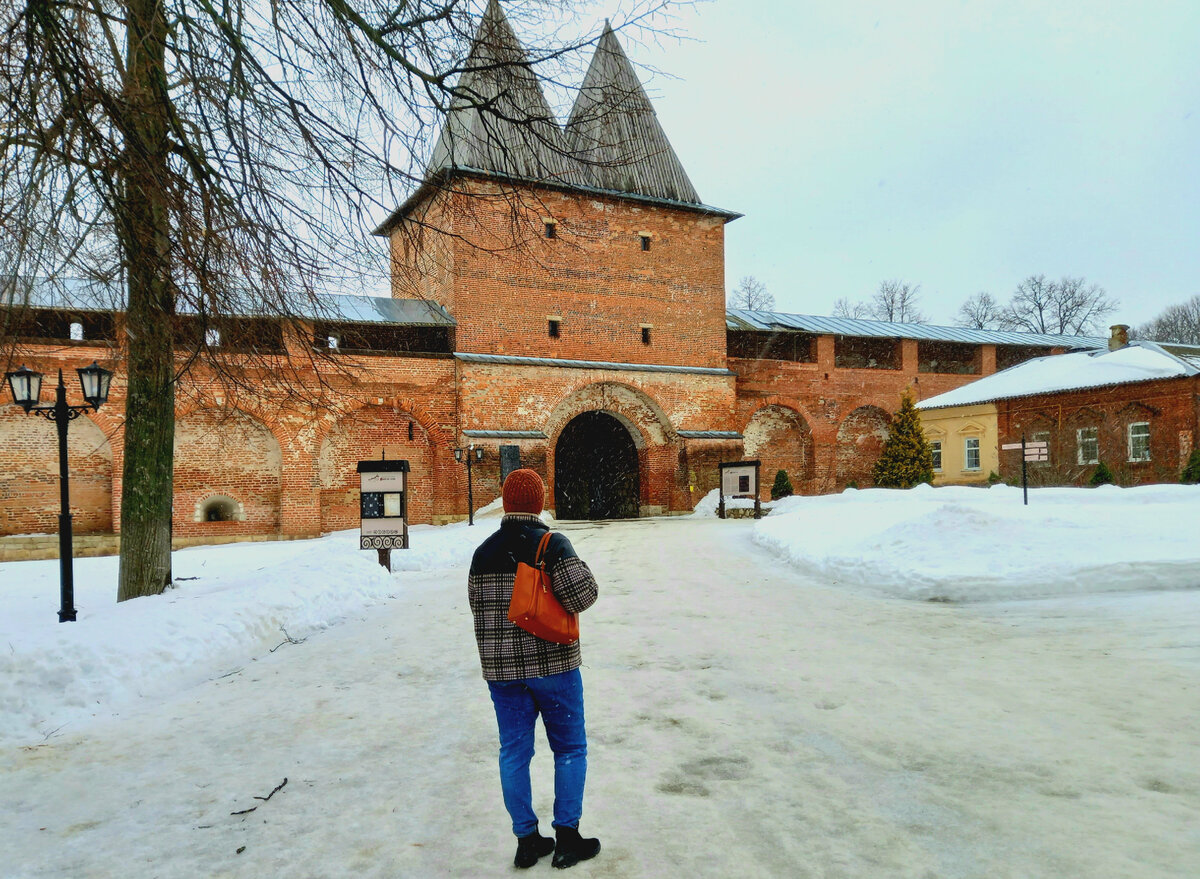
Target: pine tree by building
{"x": 1191, "y": 473}
{"x": 1101, "y": 476}
{"x": 782, "y": 486}
{"x": 906, "y": 459}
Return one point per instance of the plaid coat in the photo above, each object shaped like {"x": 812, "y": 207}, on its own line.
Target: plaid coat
{"x": 506, "y": 651}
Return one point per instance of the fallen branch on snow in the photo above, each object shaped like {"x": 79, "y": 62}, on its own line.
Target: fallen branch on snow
{"x": 290, "y": 640}
{"x": 278, "y": 788}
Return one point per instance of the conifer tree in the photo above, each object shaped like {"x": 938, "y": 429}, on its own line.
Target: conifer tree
{"x": 782, "y": 486}
{"x": 1101, "y": 475}
{"x": 906, "y": 459}
{"x": 1191, "y": 473}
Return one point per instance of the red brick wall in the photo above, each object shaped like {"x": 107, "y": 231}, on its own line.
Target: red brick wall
{"x": 29, "y": 490}
{"x": 226, "y": 455}
{"x": 653, "y": 404}
{"x": 825, "y": 447}
{"x": 509, "y": 278}
{"x": 1169, "y": 405}
{"x": 367, "y": 435}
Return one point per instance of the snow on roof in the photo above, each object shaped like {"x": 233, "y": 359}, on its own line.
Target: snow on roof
{"x": 1136, "y": 362}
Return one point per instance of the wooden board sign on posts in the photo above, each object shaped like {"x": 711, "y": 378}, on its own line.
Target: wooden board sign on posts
{"x": 738, "y": 479}
{"x": 1037, "y": 452}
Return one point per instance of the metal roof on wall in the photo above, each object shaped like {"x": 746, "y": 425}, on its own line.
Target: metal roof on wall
{"x": 504, "y": 434}
{"x": 766, "y": 321}
{"x": 711, "y": 434}
{"x": 72, "y": 294}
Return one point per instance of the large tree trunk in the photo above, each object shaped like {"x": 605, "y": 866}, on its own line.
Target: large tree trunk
{"x": 143, "y": 227}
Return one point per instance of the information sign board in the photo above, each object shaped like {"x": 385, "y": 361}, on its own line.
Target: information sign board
{"x": 383, "y": 505}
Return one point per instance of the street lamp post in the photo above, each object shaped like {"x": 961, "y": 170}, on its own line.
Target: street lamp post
{"x": 26, "y": 387}
{"x": 469, "y": 453}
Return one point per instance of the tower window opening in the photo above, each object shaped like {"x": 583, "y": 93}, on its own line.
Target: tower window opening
{"x": 645, "y": 242}
{"x": 76, "y": 331}
{"x": 645, "y": 335}
{"x": 551, "y": 229}
{"x": 552, "y": 328}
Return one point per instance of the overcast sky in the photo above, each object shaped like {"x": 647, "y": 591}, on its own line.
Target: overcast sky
{"x": 954, "y": 144}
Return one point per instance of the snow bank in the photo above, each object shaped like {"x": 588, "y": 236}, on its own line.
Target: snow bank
{"x": 706, "y": 507}
{"x": 973, "y": 544}
{"x": 230, "y": 603}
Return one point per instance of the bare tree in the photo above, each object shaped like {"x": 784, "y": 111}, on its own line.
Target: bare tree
{"x": 1069, "y": 306}
{"x": 220, "y": 159}
{"x": 1177, "y": 323}
{"x": 896, "y": 302}
{"x": 843, "y": 307}
{"x": 751, "y": 294}
{"x": 980, "y": 312}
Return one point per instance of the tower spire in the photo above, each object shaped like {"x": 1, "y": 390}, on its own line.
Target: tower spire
{"x": 614, "y": 132}
{"x": 499, "y": 119}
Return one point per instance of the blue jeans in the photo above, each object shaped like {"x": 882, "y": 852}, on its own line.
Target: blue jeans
{"x": 559, "y": 699}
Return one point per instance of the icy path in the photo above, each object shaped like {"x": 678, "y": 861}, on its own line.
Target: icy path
{"x": 744, "y": 722}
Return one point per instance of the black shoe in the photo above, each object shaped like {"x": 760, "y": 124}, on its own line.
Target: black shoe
{"x": 532, "y": 847}
{"x": 572, "y": 848}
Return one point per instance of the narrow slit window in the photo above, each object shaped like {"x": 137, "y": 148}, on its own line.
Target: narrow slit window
{"x": 645, "y": 242}
{"x": 332, "y": 342}
{"x": 551, "y": 229}
{"x": 645, "y": 335}
{"x": 76, "y": 331}
{"x": 552, "y": 328}
{"x": 212, "y": 337}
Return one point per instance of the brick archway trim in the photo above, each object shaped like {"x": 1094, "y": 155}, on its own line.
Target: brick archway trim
{"x": 575, "y": 402}
{"x": 438, "y": 438}
{"x": 783, "y": 403}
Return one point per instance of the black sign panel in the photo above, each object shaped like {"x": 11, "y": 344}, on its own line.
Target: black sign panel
{"x": 510, "y": 460}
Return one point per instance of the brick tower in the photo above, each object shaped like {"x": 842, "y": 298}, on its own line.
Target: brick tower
{"x": 586, "y": 281}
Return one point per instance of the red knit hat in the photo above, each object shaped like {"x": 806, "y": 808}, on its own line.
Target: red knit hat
{"x": 524, "y": 492}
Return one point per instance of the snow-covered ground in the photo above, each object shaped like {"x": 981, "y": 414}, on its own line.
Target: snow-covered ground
{"x": 759, "y": 701}
{"x": 971, "y": 544}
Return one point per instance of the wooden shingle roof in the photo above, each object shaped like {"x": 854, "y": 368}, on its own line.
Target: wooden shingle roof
{"x": 500, "y": 125}
{"x": 615, "y": 135}
{"x": 499, "y": 119}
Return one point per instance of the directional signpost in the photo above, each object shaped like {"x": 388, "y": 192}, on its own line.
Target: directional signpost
{"x": 1039, "y": 451}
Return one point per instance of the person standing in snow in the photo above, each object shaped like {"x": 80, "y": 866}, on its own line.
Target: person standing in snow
{"x": 528, "y": 676}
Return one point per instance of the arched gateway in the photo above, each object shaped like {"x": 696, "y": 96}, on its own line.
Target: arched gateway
{"x": 596, "y": 469}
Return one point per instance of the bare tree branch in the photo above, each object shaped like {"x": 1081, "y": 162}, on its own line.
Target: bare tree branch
{"x": 1177, "y": 323}
{"x": 1069, "y": 306}
{"x": 980, "y": 312}
{"x": 751, "y": 294}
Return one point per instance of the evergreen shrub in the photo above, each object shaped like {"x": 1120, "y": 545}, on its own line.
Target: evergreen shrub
{"x": 782, "y": 486}
{"x": 1191, "y": 473}
{"x": 1101, "y": 476}
{"x": 906, "y": 459}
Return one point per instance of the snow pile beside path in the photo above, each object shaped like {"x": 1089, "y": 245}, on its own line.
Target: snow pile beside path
{"x": 972, "y": 544}
{"x": 230, "y": 604}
